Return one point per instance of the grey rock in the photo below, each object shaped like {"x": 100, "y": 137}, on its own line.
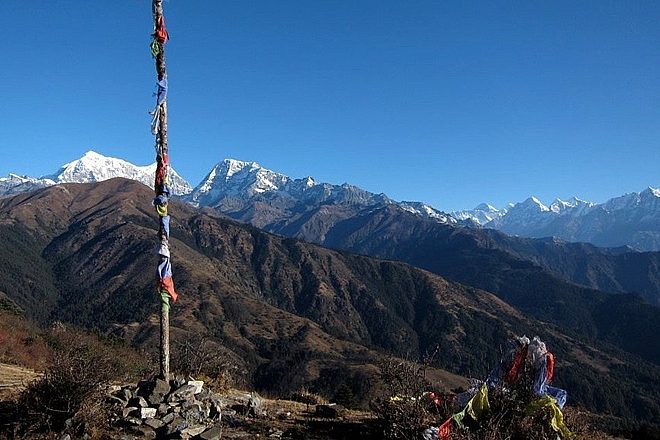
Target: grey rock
{"x": 256, "y": 406}
{"x": 198, "y": 384}
{"x": 154, "y": 391}
{"x": 163, "y": 409}
{"x": 177, "y": 382}
{"x": 193, "y": 414}
{"x": 205, "y": 395}
{"x": 194, "y": 430}
{"x": 213, "y": 433}
{"x": 147, "y": 413}
{"x": 330, "y": 411}
{"x": 168, "y": 418}
{"x": 138, "y": 401}
{"x": 176, "y": 426}
{"x": 146, "y": 432}
{"x": 154, "y": 423}
{"x": 65, "y": 437}
{"x": 185, "y": 392}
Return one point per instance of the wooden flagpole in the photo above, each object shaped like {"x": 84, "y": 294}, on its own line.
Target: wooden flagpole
{"x": 161, "y": 147}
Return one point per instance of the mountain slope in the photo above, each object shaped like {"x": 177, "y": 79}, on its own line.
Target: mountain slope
{"x": 295, "y": 314}
{"x": 304, "y": 209}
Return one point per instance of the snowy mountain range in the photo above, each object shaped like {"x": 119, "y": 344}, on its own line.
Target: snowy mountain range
{"x": 92, "y": 167}
{"x": 632, "y": 219}
{"x": 246, "y": 190}
{"x": 232, "y": 185}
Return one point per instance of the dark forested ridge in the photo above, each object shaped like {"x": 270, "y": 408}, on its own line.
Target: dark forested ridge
{"x": 294, "y": 313}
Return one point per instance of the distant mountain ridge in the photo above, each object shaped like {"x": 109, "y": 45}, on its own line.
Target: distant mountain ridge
{"x": 632, "y": 219}
{"x": 92, "y": 167}
{"x": 235, "y": 187}
{"x": 238, "y": 188}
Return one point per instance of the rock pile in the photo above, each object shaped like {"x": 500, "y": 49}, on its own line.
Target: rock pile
{"x": 180, "y": 409}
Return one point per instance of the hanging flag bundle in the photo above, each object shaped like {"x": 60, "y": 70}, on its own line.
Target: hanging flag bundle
{"x": 161, "y": 181}
{"x": 523, "y": 357}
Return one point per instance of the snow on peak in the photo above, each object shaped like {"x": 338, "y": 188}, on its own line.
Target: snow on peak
{"x": 94, "y": 167}
{"x": 481, "y": 214}
{"x": 655, "y": 192}
{"x": 561, "y": 206}
{"x": 534, "y": 202}
{"x": 232, "y": 184}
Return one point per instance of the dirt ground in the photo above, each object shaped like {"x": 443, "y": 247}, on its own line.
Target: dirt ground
{"x": 14, "y": 378}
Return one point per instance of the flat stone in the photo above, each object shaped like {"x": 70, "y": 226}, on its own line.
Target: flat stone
{"x": 194, "y": 430}
{"x": 198, "y": 384}
{"x": 163, "y": 409}
{"x": 154, "y": 423}
{"x": 213, "y": 433}
{"x": 147, "y": 413}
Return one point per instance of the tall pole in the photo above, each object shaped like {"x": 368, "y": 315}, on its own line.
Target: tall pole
{"x": 161, "y": 187}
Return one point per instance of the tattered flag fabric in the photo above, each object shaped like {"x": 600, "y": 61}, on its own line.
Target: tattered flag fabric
{"x": 445, "y": 429}
{"x": 167, "y": 284}
{"x": 161, "y": 31}
{"x": 557, "y": 420}
{"x": 162, "y": 91}
{"x": 164, "y": 227}
{"x": 165, "y": 268}
{"x": 161, "y": 210}
{"x": 163, "y": 250}
{"x": 512, "y": 375}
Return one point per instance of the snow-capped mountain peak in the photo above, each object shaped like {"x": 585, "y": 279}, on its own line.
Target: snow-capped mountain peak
{"x": 95, "y": 167}
{"x": 92, "y": 167}
{"x": 655, "y": 192}
{"x": 486, "y": 207}
{"x": 481, "y": 214}
{"x": 533, "y": 203}
{"x": 232, "y": 185}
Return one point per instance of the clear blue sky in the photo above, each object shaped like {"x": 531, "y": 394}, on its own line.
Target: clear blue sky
{"x": 452, "y": 103}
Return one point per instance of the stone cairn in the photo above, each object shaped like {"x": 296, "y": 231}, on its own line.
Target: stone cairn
{"x": 180, "y": 409}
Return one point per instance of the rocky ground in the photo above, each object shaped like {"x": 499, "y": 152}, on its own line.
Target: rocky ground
{"x": 186, "y": 409}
